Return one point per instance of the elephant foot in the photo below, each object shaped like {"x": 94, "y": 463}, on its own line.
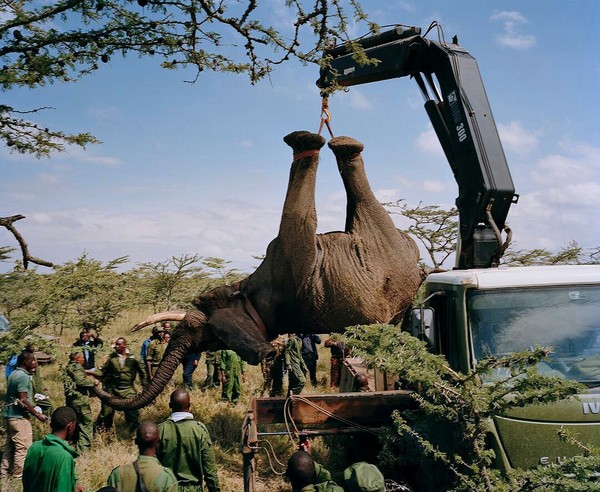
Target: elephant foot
{"x": 303, "y": 142}
{"x": 345, "y": 147}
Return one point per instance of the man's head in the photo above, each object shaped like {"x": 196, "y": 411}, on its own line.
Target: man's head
{"x": 63, "y": 422}
{"x": 363, "y": 477}
{"x": 301, "y": 469}
{"x": 362, "y": 381}
{"x": 180, "y": 401}
{"x": 121, "y": 346}
{"x": 146, "y": 437}
{"x": 166, "y": 325}
{"x": 77, "y": 357}
{"x": 27, "y": 361}
{"x": 84, "y": 335}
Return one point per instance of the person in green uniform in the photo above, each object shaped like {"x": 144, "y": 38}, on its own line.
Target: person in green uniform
{"x": 213, "y": 366}
{"x": 118, "y": 376}
{"x": 305, "y": 476}
{"x": 273, "y": 369}
{"x": 185, "y": 447}
{"x": 40, "y": 390}
{"x": 363, "y": 477}
{"x": 18, "y": 406}
{"x": 156, "y": 351}
{"x": 146, "y": 469}
{"x": 295, "y": 365}
{"x": 232, "y": 375}
{"x": 50, "y": 463}
{"x": 77, "y": 393}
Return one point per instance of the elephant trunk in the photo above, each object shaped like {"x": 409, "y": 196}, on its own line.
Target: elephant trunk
{"x": 182, "y": 343}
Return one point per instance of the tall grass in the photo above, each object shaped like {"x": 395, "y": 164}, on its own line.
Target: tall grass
{"x": 224, "y": 421}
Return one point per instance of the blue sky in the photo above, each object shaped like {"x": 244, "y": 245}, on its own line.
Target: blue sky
{"x": 203, "y": 168}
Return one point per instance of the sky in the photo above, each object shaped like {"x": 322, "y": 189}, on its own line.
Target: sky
{"x": 202, "y": 168}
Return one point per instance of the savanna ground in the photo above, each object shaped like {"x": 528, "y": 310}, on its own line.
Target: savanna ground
{"x": 224, "y": 421}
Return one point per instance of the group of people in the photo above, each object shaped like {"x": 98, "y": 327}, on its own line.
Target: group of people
{"x": 174, "y": 455}
{"x": 296, "y": 355}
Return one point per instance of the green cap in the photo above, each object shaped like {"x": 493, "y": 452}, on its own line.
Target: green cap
{"x": 363, "y": 477}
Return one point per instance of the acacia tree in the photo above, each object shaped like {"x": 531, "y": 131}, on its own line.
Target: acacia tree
{"x": 437, "y": 229}
{"x": 161, "y": 281}
{"x": 62, "y": 41}
{"x": 446, "y": 433}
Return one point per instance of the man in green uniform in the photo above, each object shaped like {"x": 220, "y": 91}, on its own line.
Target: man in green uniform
{"x": 295, "y": 365}
{"x": 213, "y": 366}
{"x": 50, "y": 463}
{"x": 77, "y": 392}
{"x": 273, "y": 369}
{"x": 118, "y": 375}
{"x": 146, "y": 469}
{"x": 363, "y": 477}
{"x": 306, "y": 475}
{"x": 156, "y": 350}
{"x": 185, "y": 447}
{"x": 232, "y": 374}
{"x": 18, "y": 406}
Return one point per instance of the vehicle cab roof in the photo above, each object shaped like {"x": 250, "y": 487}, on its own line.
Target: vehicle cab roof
{"x": 490, "y": 278}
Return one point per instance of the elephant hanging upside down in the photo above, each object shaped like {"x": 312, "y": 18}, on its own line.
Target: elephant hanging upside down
{"x": 308, "y": 282}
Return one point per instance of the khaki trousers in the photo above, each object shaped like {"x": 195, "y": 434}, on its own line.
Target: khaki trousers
{"x": 19, "y": 436}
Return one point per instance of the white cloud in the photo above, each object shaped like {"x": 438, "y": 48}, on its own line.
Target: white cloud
{"x": 245, "y": 143}
{"x": 428, "y": 142}
{"x": 563, "y": 204}
{"x": 516, "y": 138}
{"x": 579, "y": 164}
{"x": 511, "y": 36}
{"x": 87, "y": 156}
{"x": 355, "y": 99}
{"x": 509, "y": 16}
{"x": 434, "y": 186}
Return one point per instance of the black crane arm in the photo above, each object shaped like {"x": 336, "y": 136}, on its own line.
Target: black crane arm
{"x": 462, "y": 118}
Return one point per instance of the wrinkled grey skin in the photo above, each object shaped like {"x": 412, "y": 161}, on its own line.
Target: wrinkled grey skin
{"x": 308, "y": 282}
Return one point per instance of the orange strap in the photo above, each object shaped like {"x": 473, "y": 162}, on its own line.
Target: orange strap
{"x": 306, "y": 153}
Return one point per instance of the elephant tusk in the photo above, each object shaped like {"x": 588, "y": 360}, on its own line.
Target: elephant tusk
{"x": 160, "y": 317}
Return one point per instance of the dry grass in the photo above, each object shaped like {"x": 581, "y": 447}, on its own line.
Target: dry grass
{"x": 224, "y": 421}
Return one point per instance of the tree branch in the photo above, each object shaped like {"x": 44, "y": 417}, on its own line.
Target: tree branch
{"x": 27, "y": 257}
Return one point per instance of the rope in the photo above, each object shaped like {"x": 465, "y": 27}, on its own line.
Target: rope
{"x": 325, "y": 117}
{"x": 269, "y": 457}
{"x": 288, "y": 413}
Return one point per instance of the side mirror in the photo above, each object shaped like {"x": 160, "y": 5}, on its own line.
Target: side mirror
{"x": 422, "y": 324}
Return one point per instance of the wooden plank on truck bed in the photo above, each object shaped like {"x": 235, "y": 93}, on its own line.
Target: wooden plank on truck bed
{"x": 370, "y": 409}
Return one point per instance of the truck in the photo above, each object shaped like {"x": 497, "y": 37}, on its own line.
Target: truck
{"x": 479, "y": 309}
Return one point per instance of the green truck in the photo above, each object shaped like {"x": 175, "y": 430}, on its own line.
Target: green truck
{"x": 473, "y": 314}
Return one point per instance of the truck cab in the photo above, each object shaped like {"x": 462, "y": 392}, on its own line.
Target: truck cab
{"x": 472, "y": 314}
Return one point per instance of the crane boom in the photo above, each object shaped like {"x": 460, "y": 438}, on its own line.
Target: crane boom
{"x": 459, "y": 110}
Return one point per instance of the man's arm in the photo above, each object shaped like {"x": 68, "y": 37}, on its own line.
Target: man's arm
{"x": 141, "y": 372}
{"x": 82, "y": 380}
{"x": 209, "y": 464}
{"x": 23, "y": 399}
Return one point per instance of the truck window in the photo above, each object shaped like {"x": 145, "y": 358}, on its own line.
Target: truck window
{"x": 567, "y": 319}
{"x": 447, "y": 342}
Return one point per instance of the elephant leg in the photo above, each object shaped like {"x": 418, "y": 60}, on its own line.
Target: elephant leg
{"x": 299, "y": 218}
{"x": 363, "y": 210}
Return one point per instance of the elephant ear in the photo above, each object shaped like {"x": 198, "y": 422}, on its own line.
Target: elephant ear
{"x": 239, "y": 332}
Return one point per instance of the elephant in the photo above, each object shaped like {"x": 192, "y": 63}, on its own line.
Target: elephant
{"x": 307, "y": 282}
